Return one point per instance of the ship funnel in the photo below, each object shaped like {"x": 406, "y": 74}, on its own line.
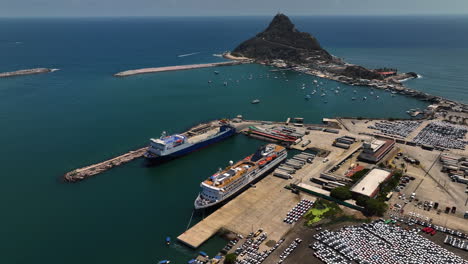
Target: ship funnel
{"x": 231, "y": 163}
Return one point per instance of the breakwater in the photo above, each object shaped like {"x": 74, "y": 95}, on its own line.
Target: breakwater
{"x": 177, "y": 68}
{"x": 25, "y": 72}
{"x": 88, "y": 171}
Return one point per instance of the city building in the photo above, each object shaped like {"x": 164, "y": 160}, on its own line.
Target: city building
{"x": 375, "y": 150}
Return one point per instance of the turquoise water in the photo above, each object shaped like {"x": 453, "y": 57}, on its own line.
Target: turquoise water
{"x": 79, "y": 115}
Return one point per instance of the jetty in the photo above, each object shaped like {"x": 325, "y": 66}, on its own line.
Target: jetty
{"x": 88, "y": 171}
{"x": 177, "y": 68}
{"x": 91, "y": 170}
{"x": 25, "y": 72}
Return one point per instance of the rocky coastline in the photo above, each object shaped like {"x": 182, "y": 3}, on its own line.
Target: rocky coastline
{"x": 282, "y": 45}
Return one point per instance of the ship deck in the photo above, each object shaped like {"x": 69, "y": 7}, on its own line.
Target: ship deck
{"x": 203, "y": 136}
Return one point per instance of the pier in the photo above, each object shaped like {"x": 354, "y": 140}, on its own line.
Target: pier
{"x": 86, "y": 172}
{"x": 177, "y": 68}
{"x": 263, "y": 205}
{"x": 25, "y": 72}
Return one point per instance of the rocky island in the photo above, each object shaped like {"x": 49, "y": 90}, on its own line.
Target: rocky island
{"x": 282, "y": 45}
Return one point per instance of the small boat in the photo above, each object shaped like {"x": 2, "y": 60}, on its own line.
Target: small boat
{"x": 216, "y": 72}
{"x": 323, "y": 94}
{"x": 164, "y": 261}
{"x": 354, "y": 91}
{"x": 209, "y": 81}
{"x": 364, "y": 98}
{"x": 353, "y": 98}
{"x": 225, "y": 83}
{"x": 377, "y": 97}
{"x": 168, "y": 240}
{"x": 307, "y": 97}
{"x": 256, "y": 101}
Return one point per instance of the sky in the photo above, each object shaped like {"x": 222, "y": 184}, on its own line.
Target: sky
{"x": 96, "y": 8}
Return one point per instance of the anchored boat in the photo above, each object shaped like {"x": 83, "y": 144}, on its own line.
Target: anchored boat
{"x": 224, "y": 184}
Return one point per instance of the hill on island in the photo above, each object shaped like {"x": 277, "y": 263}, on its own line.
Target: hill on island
{"x": 281, "y": 40}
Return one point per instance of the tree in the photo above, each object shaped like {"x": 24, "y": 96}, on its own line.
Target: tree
{"x": 341, "y": 193}
{"x": 375, "y": 207}
{"x": 361, "y": 200}
{"x": 230, "y": 258}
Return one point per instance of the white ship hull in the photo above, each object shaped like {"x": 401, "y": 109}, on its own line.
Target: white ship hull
{"x": 201, "y": 203}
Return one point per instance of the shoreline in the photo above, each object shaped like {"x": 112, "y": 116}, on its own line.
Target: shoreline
{"x": 393, "y": 85}
{"x": 177, "y": 68}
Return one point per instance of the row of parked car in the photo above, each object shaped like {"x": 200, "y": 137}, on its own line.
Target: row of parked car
{"x": 378, "y": 242}
{"x": 249, "y": 252}
{"x": 416, "y": 219}
{"x": 298, "y": 211}
{"x": 289, "y": 250}
{"x": 456, "y": 242}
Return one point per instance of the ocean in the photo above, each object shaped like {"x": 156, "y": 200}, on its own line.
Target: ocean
{"x": 81, "y": 114}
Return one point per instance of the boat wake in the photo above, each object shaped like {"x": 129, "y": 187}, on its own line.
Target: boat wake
{"x": 188, "y": 54}
{"x": 54, "y": 70}
{"x": 420, "y": 76}
{"x": 218, "y": 55}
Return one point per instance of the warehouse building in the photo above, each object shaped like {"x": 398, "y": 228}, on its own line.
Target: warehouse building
{"x": 375, "y": 150}
{"x": 369, "y": 184}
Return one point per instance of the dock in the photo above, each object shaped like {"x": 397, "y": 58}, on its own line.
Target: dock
{"x": 177, "y": 68}
{"x": 26, "y": 72}
{"x": 86, "y": 172}
{"x": 262, "y": 206}
{"x": 92, "y": 170}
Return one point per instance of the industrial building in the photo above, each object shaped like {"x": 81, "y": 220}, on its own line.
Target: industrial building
{"x": 375, "y": 150}
{"x": 369, "y": 184}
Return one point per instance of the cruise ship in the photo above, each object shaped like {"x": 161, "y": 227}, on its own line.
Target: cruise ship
{"x": 226, "y": 183}
{"x": 170, "y": 147}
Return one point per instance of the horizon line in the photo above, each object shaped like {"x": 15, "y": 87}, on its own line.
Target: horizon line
{"x": 250, "y": 15}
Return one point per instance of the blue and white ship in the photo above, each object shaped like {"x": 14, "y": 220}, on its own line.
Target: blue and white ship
{"x": 170, "y": 147}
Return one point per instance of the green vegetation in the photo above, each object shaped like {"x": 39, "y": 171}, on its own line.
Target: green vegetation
{"x": 230, "y": 258}
{"x": 358, "y": 175}
{"x": 375, "y": 207}
{"x": 341, "y": 193}
{"x": 389, "y": 185}
{"x": 347, "y": 218}
{"x": 321, "y": 209}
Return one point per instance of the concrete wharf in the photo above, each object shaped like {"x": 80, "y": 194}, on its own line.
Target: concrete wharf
{"x": 262, "y": 206}
{"x": 25, "y": 72}
{"x": 88, "y": 171}
{"x": 177, "y": 68}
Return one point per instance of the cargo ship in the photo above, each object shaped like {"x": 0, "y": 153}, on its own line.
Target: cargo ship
{"x": 173, "y": 146}
{"x": 224, "y": 184}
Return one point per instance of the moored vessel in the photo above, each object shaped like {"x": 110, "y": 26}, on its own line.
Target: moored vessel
{"x": 173, "y": 146}
{"x": 224, "y": 184}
